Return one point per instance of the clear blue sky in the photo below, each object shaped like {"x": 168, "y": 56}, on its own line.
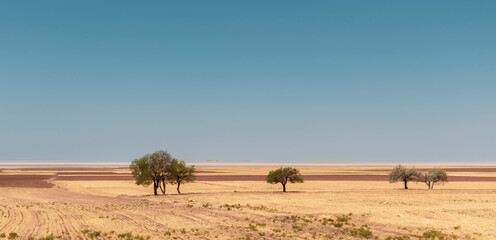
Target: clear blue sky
{"x": 254, "y": 80}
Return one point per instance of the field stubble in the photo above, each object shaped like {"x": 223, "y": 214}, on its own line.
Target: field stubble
{"x": 249, "y": 210}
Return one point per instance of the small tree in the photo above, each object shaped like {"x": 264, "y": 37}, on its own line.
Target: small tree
{"x": 151, "y": 168}
{"x": 283, "y": 176}
{"x": 160, "y": 162}
{"x": 405, "y": 175}
{"x": 179, "y": 173}
{"x": 140, "y": 168}
{"x": 434, "y": 176}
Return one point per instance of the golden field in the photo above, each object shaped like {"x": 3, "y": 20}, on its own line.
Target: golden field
{"x": 106, "y": 204}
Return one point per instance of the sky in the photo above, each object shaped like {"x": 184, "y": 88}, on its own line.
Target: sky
{"x": 306, "y": 81}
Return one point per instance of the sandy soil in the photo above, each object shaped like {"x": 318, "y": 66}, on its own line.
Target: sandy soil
{"x": 235, "y": 203}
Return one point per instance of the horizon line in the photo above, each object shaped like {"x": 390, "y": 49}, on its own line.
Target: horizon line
{"x": 11, "y": 164}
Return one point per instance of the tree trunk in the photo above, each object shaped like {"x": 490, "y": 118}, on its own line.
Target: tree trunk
{"x": 162, "y": 184}
{"x": 178, "y": 184}
{"x": 432, "y": 186}
{"x": 155, "y": 187}
{"x": 284, "y": 187}
{"x": 406, "y": 187}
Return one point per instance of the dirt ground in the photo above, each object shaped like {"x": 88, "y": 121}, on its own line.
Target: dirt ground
{"x": 235, "y": 203}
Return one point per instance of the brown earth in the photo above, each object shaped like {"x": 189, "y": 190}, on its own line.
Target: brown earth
{"x": 454, "y": 169}
{"x": 262, "y": 178}
{"x": 26, "y": 181}
{"x": 220, "y": 207}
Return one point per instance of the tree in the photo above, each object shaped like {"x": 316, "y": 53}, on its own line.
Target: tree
{"x": 179, "y": 173}
{"x": 159, "y": 164}
{"x": 434, "y": 176}
{"x": 151, "y": 168}
{"x": 405, "y": 175}
{"x": 140, "y": 168}
{"x": 283, "y": 176}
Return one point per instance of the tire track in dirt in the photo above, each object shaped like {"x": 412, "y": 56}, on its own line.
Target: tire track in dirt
{"x": 12, "y": 218}
{"x": 139, "y": 221}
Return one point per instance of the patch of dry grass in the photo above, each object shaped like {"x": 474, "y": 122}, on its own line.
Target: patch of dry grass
{"x": 251, "y": 210}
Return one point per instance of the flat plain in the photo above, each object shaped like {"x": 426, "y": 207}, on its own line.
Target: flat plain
{"x": 334, "y": 202}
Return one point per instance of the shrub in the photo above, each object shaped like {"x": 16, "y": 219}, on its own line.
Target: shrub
{"x": 364, "y": 232}
{"x": 94, "y": 234}
{"x": 125, "y": 235}
{"x": 252, "y": 227}
{"x": 343, "y": 219}
{"x": 337, "y": 224}
{"x": 13, "y": 235}
{"x": 297, "y": 228}
{"x": 49, "y": 237}
{"x": 433, "y": 234}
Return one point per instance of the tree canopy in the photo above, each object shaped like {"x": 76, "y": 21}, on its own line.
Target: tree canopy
{"x": 151, "y": 168}
{"x": 434, "y": 176}
{"x": 283, "y": 176}
{"x": 405, "y": 175}
{"x": 179, "y": 173}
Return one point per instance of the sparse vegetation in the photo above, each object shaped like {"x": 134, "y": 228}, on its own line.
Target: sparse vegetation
{"x": 258, "y": 215}
{"x": 91, "y": 234}
{"x": 49, "y": 237}
{"x": 231, "y": 206}
{"x": 433, "y": 234}
{"x": 297, "y": 228}
{"x": 13, "y": 235}
{"x": 128, "y": 235}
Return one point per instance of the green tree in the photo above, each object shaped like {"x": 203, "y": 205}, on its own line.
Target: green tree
{"x": 179, "y": 173}
{"x": 151, "y": 168}
{"x": 283, "y": 176}
{"x": 405, "y": 175}
{"x": 434, "y": 176}
{"x": 160, "y": 162}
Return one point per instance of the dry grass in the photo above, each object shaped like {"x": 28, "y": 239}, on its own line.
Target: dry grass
{"x": 250, "y": 210}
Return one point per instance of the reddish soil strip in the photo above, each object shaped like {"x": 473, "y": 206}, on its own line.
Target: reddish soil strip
{"x": 262, "y": 178}
{"x": 87, "y": 173}
{"x": 463, "y": 169}
{"x": 110, "y": 173}
{"x": 25, "y": 181}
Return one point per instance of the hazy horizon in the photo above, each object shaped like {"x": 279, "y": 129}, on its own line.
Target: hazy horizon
{"x": 214, "y": 163}
{"x": 283, "y": 81}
